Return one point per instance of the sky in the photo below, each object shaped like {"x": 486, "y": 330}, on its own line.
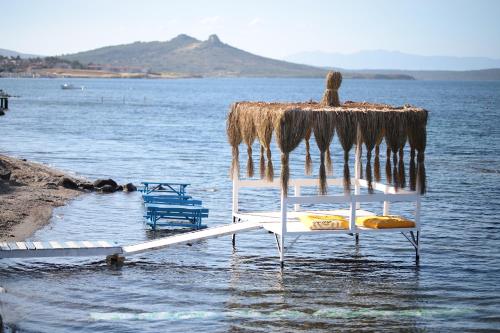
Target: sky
{"x": 269, "y": 28}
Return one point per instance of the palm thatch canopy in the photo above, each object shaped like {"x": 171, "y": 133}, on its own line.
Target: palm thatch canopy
{"x": 354, "y": 123}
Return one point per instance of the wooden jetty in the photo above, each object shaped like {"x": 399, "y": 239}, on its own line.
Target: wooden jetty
{"x": 104, "y": 248}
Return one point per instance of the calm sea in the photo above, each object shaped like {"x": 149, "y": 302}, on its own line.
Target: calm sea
{"x": 135, "y": 130}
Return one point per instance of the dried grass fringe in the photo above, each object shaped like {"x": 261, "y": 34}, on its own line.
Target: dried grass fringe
{"x": 288, "y": 137}
{"x": 345, "y": 125}
{"x": 370, "y": 124}
{"x": 234, "y": 138}
{"x": 323, "y": 125}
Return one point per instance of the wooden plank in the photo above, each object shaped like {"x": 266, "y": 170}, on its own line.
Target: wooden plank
{"x": 191, "y": 237}
{"x": 71, "y": 245}
{"x": 62, "y": 252}
{"x": 30, "y": 246}
{"x": 88, "y": 244}
{"x": 4, "y": 246}
{"x": 21, "y": 246}
{"x": 13, "y": 246}
{"x": 55, "y": 245}
{"x": 38, "y": 245}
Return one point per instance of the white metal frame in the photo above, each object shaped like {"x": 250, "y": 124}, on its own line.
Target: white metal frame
{"x": 386, "y": 195}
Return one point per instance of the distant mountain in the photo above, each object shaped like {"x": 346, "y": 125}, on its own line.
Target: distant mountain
{"x": 492, "y": 74}
{"x": 187, "y": 55}
{"x": 392, "y": 60}
{"x": 10, "y": 53}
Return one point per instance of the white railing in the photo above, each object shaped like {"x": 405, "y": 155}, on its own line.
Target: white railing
{"x": 387, "y": 194}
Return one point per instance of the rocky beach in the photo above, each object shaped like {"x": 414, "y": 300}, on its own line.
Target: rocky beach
{"x": 29, "y": 191}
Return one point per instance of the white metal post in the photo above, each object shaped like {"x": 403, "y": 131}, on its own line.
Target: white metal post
{"x": 236, "y": 189}
{"x": 352, "y": 221}
{"x": 386, "y": 203}
{"x": 417, "y": 216}
{"x": 235, "y": 194}
{"x": 296, "y": 207}
{"x": 357, "y": 164}
{"x": 283, "y": 227}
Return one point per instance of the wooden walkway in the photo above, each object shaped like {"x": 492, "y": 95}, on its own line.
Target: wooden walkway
{"x": 103, "y": 248}
{"x": 58, "y": 249}
{"x": 190, "y": 237}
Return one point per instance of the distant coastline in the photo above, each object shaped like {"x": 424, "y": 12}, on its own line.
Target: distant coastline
{"x": 100, "y": 74}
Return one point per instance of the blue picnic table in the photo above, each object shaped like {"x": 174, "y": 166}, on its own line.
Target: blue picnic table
{"x": 162, "y": 198}
{"x": 164, "y": 187}
{"x": 176, "y": 216}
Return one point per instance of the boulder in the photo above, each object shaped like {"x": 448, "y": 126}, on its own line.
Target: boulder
{"x": 129, "y": 187}
{"x": 86, "y": 186}
{"x": 119, "y": 188}
{"x": 5, "y": 174}
{"x": 51, "y": 186}
{"x": 107, "y": 189}
{"x": 102, "y": 182}
{"x": 68, "y": 183}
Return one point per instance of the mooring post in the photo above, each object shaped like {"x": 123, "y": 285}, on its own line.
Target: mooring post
{"x": 115, "y": 260}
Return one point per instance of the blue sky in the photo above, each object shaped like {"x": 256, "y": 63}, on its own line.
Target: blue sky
{"x": 270, "y": 28}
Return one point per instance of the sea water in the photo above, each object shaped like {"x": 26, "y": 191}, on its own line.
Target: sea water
{"x": 174, "y": 130}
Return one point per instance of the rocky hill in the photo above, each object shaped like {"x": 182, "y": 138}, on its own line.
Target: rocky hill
{"x": 190, "y": 56}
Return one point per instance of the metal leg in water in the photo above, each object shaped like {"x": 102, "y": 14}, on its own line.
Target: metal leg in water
{"x": 233, "y": 238}
{"x": 280, "y": 250}
{"x": 415, "y": 241}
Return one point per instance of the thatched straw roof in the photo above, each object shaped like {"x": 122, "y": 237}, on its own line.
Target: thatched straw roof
{"x": 353, "y": 122}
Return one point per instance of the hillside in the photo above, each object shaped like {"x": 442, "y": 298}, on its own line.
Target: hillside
{"x": 10, "y": 53}
{"x": 187, "y": 55}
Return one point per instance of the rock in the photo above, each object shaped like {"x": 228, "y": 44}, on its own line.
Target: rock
{"x": 5, "y": 174}
{"x": 119, "y": 188}
{"x": 51, "y": 186}
{"x": 102, "y": 182}
{"x": 86, "y": 186}
{"x": 129, "y": 187}
{"x": 107, "y": 189}
{"x": 13, "y": 182}
{"x": 68, "y": 183}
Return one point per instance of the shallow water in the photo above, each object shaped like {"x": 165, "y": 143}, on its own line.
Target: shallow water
{"x": 134, "y": 130}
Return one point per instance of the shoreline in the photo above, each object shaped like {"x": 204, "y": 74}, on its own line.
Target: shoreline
{"x": 29, "y": 192}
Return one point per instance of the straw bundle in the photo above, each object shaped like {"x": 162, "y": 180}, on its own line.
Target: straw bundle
{"x": 370, "y": 124}
{"x": 323, "y": 125}
{"x": 388, "y": 169}
{"x": 331, "y": 95}
{"x": 264, "y": 128}
{"x": 248, "y": 133}
{"x": 376, "y": 162}
{"x": 417, "y": 138}
{"x": 395, "y": 136}
{"x": 345, "y": 125}
{"x": 308, "y": 163}
{"x": 289, "y": 133}
{"x": 234, "y": 138}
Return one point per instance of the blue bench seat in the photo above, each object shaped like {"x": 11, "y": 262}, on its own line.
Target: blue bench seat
{"x": 176, "y": 216}
{"x": 154, "y": 198}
